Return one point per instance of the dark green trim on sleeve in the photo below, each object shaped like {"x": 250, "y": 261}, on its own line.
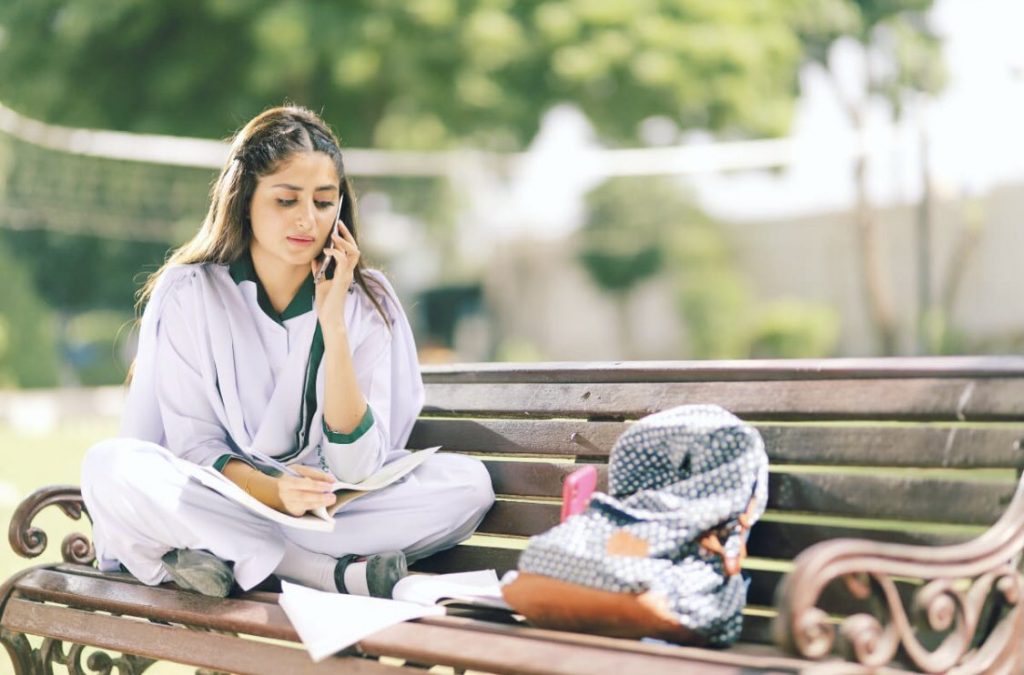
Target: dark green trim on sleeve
{"x": 357, "y": 433}
{"x": 223, "y": 460}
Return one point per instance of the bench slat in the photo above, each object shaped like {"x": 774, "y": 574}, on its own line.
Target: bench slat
{"x": 861, "y": 445}
{"x": 466, "y": 558}
{"x": 890, "y": 497}
{"x": 855, "y": 495}
{"x": 726, "y": 370}
{"x": 918, "y": 399}
{"x": 206, "y": 650}
{"x": 768, "y": 539}
{"x": 167, "y": 603}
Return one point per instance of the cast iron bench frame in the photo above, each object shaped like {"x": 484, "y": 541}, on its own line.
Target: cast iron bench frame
{"x": 852, "y": 442}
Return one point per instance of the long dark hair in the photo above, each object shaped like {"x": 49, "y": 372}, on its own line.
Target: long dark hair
{"x": 257, "y": 149}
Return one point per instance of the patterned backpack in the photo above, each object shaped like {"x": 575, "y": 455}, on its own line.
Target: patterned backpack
{"x": 659, "y": 554}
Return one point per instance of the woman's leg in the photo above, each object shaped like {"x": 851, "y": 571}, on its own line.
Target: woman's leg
{"x": 143, "y": 506}
{"x": 440, "y": 504}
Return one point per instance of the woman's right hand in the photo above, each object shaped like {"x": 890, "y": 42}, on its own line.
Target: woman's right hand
{"x": 299, "y": 494}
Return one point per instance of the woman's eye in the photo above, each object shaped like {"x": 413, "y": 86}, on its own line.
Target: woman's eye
{"x": 324, "y": 205}
{"x": 286, "y": 202}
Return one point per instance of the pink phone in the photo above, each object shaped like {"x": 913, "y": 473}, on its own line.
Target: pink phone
{"x": 576, "y": 491}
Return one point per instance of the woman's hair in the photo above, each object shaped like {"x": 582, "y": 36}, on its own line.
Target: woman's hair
{"x": 260, "y": 148}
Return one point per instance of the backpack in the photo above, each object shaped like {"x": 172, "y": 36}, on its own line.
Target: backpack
{"x": 659, "y": 554}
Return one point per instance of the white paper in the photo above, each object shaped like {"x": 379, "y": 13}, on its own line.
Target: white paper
{"x": 388, "y": 473}
{"x": 329, "y": 622}
{"x": 480, "y": 588}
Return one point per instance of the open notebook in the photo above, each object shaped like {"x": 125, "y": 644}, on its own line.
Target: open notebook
{"x": 318, "y": 519}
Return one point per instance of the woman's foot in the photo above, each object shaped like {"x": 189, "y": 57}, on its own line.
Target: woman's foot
{"x": 376, "y": 574}
{"x": 199, "y": 571}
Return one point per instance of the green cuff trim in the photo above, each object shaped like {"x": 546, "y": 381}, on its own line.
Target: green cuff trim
{"x": 357, "y": 433}
{"x": 222, "y": 461}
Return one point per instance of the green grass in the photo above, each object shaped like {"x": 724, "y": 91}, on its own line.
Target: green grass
{"x": 31, "y": 461}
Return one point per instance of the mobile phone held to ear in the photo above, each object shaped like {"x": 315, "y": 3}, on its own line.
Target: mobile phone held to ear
{"x": 326, "y": 260}
{"x": 576, "y": 491}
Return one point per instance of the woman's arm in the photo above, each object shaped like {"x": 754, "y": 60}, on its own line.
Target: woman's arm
{"x": 288, "y": 494}
{"x": 344, "y": 402}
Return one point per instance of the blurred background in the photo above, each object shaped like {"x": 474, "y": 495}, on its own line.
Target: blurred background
{"x": 541, "y": 179}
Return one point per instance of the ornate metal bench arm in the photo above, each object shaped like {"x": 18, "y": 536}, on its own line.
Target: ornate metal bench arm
{"x": 29, "y": 542}
{"x": 959, "y": 580}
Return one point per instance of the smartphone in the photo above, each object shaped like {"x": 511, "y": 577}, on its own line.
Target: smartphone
{"x": 326, "y": 261}
{"x": 576, "y": 491}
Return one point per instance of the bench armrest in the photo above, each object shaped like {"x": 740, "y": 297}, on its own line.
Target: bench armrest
{"x": 29, "y": 542}
{"x": 962, "y": 583}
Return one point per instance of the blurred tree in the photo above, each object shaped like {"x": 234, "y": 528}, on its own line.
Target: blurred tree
{"x": 902, "y": 63}
{"x": 410, "y": 74}
{"x": 28, "y": 355}
{"x": 637, "y": 228}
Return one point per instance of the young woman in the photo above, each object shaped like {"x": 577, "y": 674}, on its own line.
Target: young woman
{"x": 245, "y": 345}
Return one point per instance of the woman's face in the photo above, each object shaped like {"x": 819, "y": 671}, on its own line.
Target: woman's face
{"x": 293, "y": 209}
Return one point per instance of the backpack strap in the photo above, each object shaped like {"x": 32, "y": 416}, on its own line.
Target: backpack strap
{"x": 711, "y": 541}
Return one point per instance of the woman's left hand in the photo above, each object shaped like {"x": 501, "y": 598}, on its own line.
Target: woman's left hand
{"x": 331, "y": 294}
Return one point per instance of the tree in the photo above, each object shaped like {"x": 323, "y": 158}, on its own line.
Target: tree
{"x": 639, "y": 228}
{"x": 902, "y": 63}
{"x": 409, "y": 74}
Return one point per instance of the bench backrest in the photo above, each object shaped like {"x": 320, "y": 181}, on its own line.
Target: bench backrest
{"x": 920, "y": 450}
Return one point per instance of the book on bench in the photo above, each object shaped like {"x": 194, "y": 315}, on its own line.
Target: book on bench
{"x": 321, "y": 518}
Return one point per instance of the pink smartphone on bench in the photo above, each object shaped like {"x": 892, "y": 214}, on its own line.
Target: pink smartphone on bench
{"x": 576, "y": 491}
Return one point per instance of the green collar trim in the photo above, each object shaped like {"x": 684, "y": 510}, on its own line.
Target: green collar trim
{"x": 243, "y": 270}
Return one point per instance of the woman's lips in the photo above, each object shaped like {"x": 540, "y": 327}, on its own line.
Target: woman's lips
{"x": 300, "y": 241}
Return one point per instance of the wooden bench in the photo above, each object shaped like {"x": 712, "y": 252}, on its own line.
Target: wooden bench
{"x": 887, "y": 477}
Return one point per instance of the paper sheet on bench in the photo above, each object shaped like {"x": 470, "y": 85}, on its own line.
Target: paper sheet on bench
{"x": 479, "y": 588}
{"x": 329, "y": 622}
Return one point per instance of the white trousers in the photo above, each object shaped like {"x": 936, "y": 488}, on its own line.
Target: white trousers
{"x": 142, "y": 506}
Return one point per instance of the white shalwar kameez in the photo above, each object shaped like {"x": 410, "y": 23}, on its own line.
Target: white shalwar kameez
{"x": 219, "y": 372}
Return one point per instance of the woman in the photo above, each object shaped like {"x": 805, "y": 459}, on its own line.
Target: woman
{"x": 245, "y": 346}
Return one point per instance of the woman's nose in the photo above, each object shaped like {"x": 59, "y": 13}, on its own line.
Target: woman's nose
{"x": 307, "y": 217}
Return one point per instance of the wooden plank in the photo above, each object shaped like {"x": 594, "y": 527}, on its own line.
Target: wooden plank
{"x": 205, "y": 650}
{"x": 484, "y": 647}
{"x": 835, "y": 599}
{"x": 784, "y": 541}
{"x": 754, "y": 657}
{"x": 408, "y": 640}
{"x": 908, "y": 399}
{"x": 535, "y": 479}
{"x": 890, "y": 497}
{"x": 533, "y": 437}
{"x": 163, "y": 603}
{"x": 520, "y": 519}
{"x": 768, "y": 539}
{"x": 859, "y": 445}
{"x": 465, "y": 558}
{"x": 887, "y": 446}
{"x": 720, "y": 371}
{"x": 856, "y": 495}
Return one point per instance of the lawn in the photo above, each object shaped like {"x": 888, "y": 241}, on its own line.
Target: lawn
{"x": 32, "y": 460}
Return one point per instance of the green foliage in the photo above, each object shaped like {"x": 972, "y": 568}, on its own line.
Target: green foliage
{"x": 408, "y": 74}
{"x": 638, "y": 228}
{"x": 94, "y": 341}
{"x": 786, "y": 329}
{"x": 28, "y": 354}
{"x": 894, "y": 32}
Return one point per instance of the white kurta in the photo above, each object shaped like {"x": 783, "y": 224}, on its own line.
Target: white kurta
{"x": 219, "y": 373}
